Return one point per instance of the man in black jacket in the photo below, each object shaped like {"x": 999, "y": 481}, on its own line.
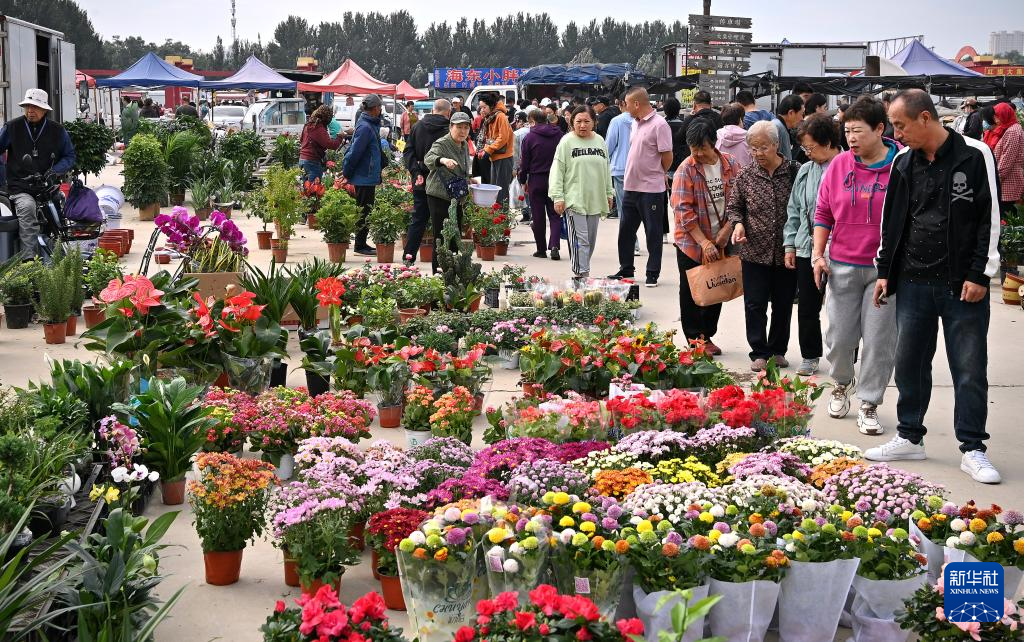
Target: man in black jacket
{"x": 34, "y": 144}
{"x": 423, "y": 135}
{"x": 940, "y": 233}
{"x": 701, "y": 109}
{"x": 973, "y": 128}
{"x": 605, "y": 112}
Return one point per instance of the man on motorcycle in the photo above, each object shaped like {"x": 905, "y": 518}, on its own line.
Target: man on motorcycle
{"x": 43, "y": 141}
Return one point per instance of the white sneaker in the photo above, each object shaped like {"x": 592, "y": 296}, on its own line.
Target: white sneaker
{"x": 896, "y": 449}
{"x": 867, "y": 420}
{"x": 808, "y": 367}
{"x": 839, "y": 404}
{"x": 976, "y": 464}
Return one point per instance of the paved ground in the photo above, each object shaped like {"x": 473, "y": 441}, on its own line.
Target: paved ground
{"x": 235, "y": 613}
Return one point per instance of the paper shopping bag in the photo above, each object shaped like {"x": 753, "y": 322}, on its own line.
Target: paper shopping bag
{"x": 716, "y": 282}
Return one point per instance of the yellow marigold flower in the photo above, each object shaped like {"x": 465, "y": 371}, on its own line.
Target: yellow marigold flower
{"x": 566, "y": 522}
{"x": 978, "y": 525}
{"x": 994, "y": 537}
{"x": 644, "y": 527}
{"x": 588, "y": 527}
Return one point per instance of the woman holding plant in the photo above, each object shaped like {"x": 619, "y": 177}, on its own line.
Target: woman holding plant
{"x": 316, "y": 141}
{"x": 448, "y": 162}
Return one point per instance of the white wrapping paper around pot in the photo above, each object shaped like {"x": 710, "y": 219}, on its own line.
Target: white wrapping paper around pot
{"x": 934, "y": 552}
{"x": 875, "y": 603}
{"x": 656, "y": 620}
{"x": 811, "y": 598}
{"x": 745, "y": 610}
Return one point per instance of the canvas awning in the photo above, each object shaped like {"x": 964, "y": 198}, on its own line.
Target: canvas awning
{"x": 81, "y": 76}
{"x": 254, "y": 74}
{"x": 349, "y": 78}
{"x": 918, "y": 60}
{"x": 151, "y": 71}
{"x": 408, "y": 92}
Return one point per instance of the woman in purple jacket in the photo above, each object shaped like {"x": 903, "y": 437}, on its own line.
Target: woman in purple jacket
{"x": 538, "y": 151}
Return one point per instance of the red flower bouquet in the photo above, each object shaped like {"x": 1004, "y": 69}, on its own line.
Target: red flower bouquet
{"x": 323, "y": 618}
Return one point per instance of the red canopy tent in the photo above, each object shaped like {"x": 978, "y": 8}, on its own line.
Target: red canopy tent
{"x": 80, "y": 76}
{"x": 408, "y": 92}
{"x": 349, "y": 78}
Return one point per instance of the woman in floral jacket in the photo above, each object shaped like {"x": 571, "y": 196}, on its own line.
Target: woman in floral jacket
{"x": 757, "y": 208}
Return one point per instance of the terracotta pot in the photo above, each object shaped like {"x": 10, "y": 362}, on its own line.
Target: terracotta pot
{"x": 407, "y": 314}
{"x": 124, "y": 236}
{"x": 475, "y": 305}
{"x": 162, "y": 258}
{"x": 280, "y": 254}
{"x": 336, "y": 252}
{"x": 478, "y": 401}
{"x": 357, "y": 536}
{"x": 55, "y": 333}
{"x": 173, "y": 493}
{"x": 263, "y": 239}
{"x": 312, "y": 222}
{"x": 314, "y": 586}
{"x": 291, "y": 570}
{"x": 71, "y": 326}
{"x": 390, "y": 416}
{"x": 427, "y": 252}
{"x": 111, "y": 245}
{"x": 93, "y": 314}
{"x": 391, "y": 589}
{"x": 374, "y": 563}
{"x": 149, "y": 212}
{"x": 222, "y": 567}
{"x": 385, "y": 252}
{"x": 486, "y": 252}
{"x": 501, "y": 249}
{"x": 203, "y": 213}
{"x": 224, "y": 208}
{"x": 131, "y": 234}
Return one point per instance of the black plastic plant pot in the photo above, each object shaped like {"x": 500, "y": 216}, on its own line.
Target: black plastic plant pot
{"x": 18, "y": 316}
{"x": 316, "y": 384}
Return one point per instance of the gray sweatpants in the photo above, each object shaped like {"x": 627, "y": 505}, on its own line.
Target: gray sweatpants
{"x": 28, "y": 224}
{"x": 582, "y": 239}
{"x": 853, "y": 319}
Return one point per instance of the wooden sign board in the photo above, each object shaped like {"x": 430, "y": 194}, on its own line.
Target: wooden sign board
{"x": 720, "y": 22}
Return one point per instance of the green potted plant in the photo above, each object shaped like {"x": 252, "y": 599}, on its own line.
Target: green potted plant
{"x": 388, "y": 378}
{"x": 201, "y": 188}
{"x": 101, "y": 268}
{"x": 273, "y": 289}
{"x": 173, "y": 422}
{"x": 285, "y": 151}
{"x": 255, "y": 204}
{"x": 73, "y": 266}
{"x": 54, "y": 304}
{"x": 337, "y": 217}
{"x": 17, "y": 288}
{"x": 284, "y": 204}
{"x": 180, "y": 148}
{"x": 91, "y": 141}
{"x": 386, "y": 223}
{"x": 377, "y": 310}
{"x": 146, "y": 175}
{"x": 461, "y": 274}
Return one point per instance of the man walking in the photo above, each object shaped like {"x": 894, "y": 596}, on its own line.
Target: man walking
{"x": 362, "y": 166}
{"x": 643, "y": 198}
{"x": 423, "y": 134}
{"x": 518, "y": 134}
{"x": 619, "y": 129}
{"x": 940, "y": 229}
{"x": 788, "y": 116}
{"x": 605, "y": 114}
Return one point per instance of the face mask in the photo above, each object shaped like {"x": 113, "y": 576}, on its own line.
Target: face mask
{"x": 986, "y": 125}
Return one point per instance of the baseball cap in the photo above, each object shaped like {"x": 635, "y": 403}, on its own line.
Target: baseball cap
{"x": 601, "y": 99}
{"x": 371, "y": 101}
{"x": 36, "y": 98}
{"x": 545, "y": 102}
{"x": 461, "y": 117}
{"x": 457, "y": 99}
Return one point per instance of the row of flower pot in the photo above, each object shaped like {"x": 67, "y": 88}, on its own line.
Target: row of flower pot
{"x": 118, "y": 241}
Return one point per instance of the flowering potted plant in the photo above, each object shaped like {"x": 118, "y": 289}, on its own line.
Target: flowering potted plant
{"x": 745, "y": 568}
{"x": 532, "y": 480}
{"x": 385, "y": 531}
{"x": 227, "y": 434}
{"x": 419, "y": 406}
{"x": 881, "y": 493}
{"x": 453, "y": 415}
{"x": 321, "y": 617}
{"x": 312, "y": 193}
{"x": 516, "y": 552}
{"x": 989, "y": 535}
{"x": 217, "y": 247}
{"x": 588, "y": 556}
{"x": 821, "y": 572}
{"x": 229, "y": 500}
{"x": 249, "y": 340}
{"x": 437, "y": 564}
{"x": 488, "y": 225}
{"x": 559, "y": 420}
{"x": 173, "y": 423}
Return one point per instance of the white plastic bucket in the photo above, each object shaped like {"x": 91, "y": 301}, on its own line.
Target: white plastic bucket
{"x": 484, "y": 195}
{"x": 111, "y": 199}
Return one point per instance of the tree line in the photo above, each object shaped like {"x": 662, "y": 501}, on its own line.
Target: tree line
{"x": 388, "y": 46}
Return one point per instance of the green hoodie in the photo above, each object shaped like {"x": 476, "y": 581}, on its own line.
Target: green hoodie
{"x": 445, "y": 147}
{"x": 580, "y": 176}
{"x": 797, "y": 235}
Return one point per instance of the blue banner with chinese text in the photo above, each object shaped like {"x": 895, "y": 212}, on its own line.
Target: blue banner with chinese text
{"x": 467, "y": 78}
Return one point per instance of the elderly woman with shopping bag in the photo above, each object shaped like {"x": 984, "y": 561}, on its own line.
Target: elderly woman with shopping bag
{"x": 701, "y": 188}
{"x": 758, "y": 209}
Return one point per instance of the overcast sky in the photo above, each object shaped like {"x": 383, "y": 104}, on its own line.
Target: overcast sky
{"x": 946, "y": 24}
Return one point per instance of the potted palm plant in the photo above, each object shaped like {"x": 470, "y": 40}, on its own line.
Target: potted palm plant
{"x": 54, "y": 304}
{"x": 145, "y": 175}
{"x": 201, "y": 188}
{"x": 337, "y": 219}
{"x": 173, "y": 422}
{"x": 386, "y": 223}
{"x": 179, "y": 150}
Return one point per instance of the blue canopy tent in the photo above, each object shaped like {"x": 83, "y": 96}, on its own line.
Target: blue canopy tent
{"x": 589, "y": 74}
{"x": 254, "y": 74}
{"x": 918, "y": 60}
{"x": 151, "y": 71}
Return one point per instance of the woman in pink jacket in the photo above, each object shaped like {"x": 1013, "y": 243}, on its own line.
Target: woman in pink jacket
{"x": 848, "y": 221}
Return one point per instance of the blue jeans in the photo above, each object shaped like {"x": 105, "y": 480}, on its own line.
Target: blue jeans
{"x": 312, "y": 169}
{"x": 965, "y": 330}
{"x": 618, "y": 183}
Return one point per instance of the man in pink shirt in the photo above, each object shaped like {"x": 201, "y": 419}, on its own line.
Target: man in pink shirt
{"x": 643, "y": 199}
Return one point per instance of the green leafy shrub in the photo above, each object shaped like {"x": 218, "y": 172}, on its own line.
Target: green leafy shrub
{"x": 146, "y": 173}
{"x": 91, "y": 141}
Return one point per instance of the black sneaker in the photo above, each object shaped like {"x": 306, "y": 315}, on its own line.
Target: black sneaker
{"x": 651, "y": 282}
{"x": 526, "y": 218}
{"x": 613, "y": 215}
{"x": 618, "y": 276}
{"x": 366, "y": 251}
{"x": 540, "y": 254}
{"x": 554, "y": 255}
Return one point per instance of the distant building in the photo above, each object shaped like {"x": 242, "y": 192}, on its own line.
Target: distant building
{"x": 1005, "y": 41}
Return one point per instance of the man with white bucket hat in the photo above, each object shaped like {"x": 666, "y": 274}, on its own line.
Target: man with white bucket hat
{"x": 34, "y": 144}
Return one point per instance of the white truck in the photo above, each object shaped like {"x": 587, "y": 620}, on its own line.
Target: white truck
{"x": 34, "y": 57}
{"x": 271, "y": 117}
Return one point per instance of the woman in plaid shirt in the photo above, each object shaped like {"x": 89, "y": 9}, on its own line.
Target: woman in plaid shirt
{"x": 700, "y": 190}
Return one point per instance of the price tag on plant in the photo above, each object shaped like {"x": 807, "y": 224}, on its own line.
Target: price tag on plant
{"x": 494, "y": 563}
{"x": 582, "y": 585}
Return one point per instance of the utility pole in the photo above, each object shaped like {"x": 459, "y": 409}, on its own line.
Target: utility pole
{"x": 707, "y": 7}
{"x": 234, "y": 35}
